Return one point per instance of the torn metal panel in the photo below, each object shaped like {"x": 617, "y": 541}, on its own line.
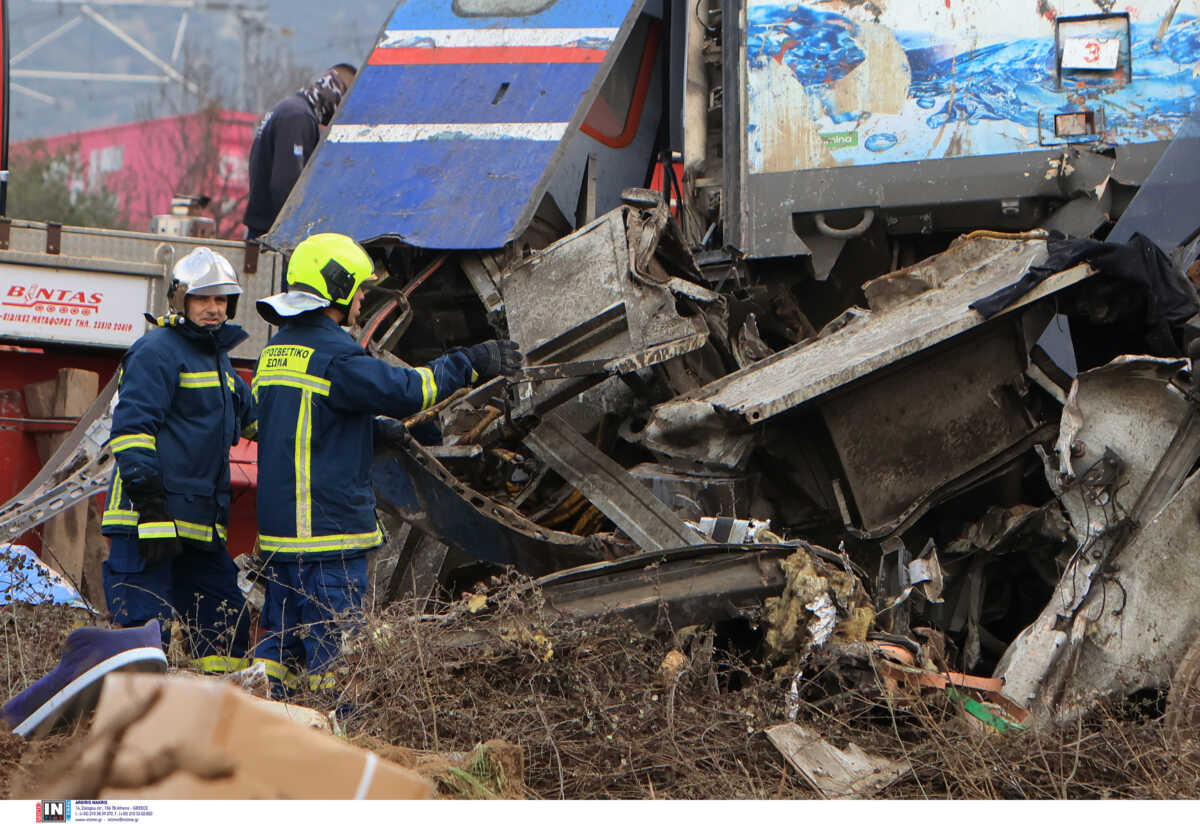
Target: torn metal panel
{"x": 587, "y": 297}
{"x": 1128, "y": 438}
{"x": 969, "y": 254}
{"x": 1080, "y": 217}
{"x": 1083, "y": 176}
{"x": 1166, "y": 208}
{"x": 805, "y": 371}
{"x": 925, "y": 571}
{"x": 609, "y": 486}
{"x": 695, "y": 495}
{"x": 688, "y": 430}
{"x": 482, "y": 273}
{"x": 1084, "y": 173}
{"x": 1143, "y": 613}
{"x": 922, "y": 425}
{"x": 747, "y": 345}
{"x": 592, "y": 334}
{"x": 621, "y": 365}
{"x": 1128, "y": 406}
{"x": 834, "y": 773}
{"x": 411, "y": 483}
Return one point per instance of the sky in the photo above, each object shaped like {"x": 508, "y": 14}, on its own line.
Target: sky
{"x": 300, "y": 37}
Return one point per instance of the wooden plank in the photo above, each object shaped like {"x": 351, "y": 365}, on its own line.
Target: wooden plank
{"x": 65, "y": 537}
{"x": 39, "y": 403}
{"x": 95, "y": 550}
{"x": 76, "y": 389}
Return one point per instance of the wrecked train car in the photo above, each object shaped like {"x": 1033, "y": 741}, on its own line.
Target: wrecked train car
{"x": 862, "y": 123}
{"x": 788, "y": 340}
{"x": 870, "y": 133}
{"x": 838, "y": 320}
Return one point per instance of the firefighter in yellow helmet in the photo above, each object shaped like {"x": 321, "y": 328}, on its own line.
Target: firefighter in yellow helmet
{"x": 318, "y": 393}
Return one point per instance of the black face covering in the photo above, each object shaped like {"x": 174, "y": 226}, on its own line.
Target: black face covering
{"x": 323, "y": 95}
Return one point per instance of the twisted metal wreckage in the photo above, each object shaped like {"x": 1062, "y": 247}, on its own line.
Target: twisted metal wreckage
{"x": 990, "y": 468}
{"x": 673, "y": 423}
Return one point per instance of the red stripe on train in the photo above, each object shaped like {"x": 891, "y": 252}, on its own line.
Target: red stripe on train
{"x": 483, "y": 54}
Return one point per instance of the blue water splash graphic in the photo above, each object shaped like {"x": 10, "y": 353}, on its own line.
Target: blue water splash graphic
{"x": 1013, "y": 84}
{"x": 1015, "y": 81}
{"x": 881, "y": 142}
{"x": 818, "y": 46}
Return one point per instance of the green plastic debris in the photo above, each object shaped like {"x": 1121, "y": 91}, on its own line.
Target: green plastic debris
{"x": 984, "y": 712}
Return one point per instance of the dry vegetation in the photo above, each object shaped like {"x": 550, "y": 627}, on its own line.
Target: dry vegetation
{"x": 31, "y": 640}
{"x": 596, "y": 715}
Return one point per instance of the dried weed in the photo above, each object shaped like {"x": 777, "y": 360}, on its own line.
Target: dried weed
{"x": 599, "y": 710}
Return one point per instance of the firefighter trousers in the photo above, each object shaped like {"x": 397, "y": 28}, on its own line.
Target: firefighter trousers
{"x": 198, "y": 586}
{"x": 309, "y": 605}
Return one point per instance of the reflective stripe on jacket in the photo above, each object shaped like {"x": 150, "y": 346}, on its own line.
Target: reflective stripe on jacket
{"x": 180, "y": 406}
{"x": 317, "y": 392}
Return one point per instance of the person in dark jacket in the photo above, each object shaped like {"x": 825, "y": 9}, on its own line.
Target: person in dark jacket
{"x": 284, "y": 142}
{"x": 318, "y": 392}
{"x": 180, "y": 407}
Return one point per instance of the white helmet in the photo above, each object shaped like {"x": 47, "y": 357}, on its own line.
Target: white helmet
{"x": 203, "y": 272}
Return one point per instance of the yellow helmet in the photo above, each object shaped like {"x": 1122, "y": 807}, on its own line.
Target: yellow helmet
{"x": 330, "y": 265}
{"x": 326, "y": 269}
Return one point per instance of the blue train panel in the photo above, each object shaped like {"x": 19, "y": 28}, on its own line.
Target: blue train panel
{"x": 381, "y": 196}
{"x": 447, "y": 138}
{"x": 442, "y": 94}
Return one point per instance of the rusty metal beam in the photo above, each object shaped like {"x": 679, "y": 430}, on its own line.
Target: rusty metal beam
{"x": 626, "y": 501}
{"x": 697, "y": 585}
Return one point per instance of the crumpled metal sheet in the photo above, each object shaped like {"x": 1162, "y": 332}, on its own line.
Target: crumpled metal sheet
{"x": 410, "y": 481}
{"x": 1141, "y": 617}
{"x": 808, "y": 370}
{"x": 687, "y": 429}
{"x": 604, "y": 275}
{"x": 1124, "y": 610}
{"x": 833, "y": 772}
{"x": 1103, "y": 388}
{"x": 896, "y": 288}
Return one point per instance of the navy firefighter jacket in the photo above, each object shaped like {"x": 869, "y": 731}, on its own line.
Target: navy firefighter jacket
{"x": 318, "y": 392}
{"x": 180, "y": 406}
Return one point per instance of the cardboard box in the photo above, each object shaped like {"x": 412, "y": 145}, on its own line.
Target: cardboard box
{"x": 274, "y": 756}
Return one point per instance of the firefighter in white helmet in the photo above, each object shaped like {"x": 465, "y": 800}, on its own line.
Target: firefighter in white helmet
{"x": 180, "y": 407}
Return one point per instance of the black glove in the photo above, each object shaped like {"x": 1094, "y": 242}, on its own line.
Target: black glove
{"x": 390, "y": 431}
{"x": 155, "y": 551}
{"x": 150, "y": 500}
{"x": 495, "y": 357}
